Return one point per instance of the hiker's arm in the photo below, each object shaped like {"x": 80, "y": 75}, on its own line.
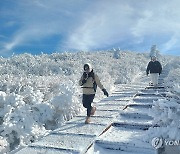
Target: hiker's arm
{"x": 100, "y": 85}
{"x": 98, "y": 82}
{"x": 148, "y": 68}
{"x": 160, "y": 68}
{"x": 82, "y": 81}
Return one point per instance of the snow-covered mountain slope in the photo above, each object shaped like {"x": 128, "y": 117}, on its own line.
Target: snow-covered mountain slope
{"x": 121, "y": 124}
{"x": 39, "y": 93}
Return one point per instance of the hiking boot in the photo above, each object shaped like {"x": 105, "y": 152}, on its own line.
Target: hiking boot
{"x": 93, "y": 110}
{"x": 88, "y": 120}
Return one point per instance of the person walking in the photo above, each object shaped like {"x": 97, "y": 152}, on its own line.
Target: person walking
{"x": 155, "y": 69}
{"x": 89, "y": 82}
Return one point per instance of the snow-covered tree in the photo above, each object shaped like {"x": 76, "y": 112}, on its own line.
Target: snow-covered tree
{"x": 116, "y": 53}
{"x": 154, "y": 52}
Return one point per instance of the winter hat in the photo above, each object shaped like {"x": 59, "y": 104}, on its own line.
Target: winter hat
{"x": 89, "y": 66}
{"x": 153, "y": 57}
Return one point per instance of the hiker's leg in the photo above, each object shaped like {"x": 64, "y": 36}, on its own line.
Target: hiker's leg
{"x": 90, "y": 100}
{"x": 152, "y": 78}
{"x": 156, "y": 77}
{"x": 87, "y": 100}
{"x": 84, "y": 100}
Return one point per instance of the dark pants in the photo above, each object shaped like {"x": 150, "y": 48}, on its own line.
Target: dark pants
{"x": 87, "y": 100}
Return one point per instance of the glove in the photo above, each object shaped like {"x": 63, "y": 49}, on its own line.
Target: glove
{"x": 85, "y": 76}
{"x": 83, "y": 81}
{"x": 105, "y": 92}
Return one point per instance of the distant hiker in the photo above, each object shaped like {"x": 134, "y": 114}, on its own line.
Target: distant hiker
{"x": 89, "y": 82}
{"x": 155, "y": 69}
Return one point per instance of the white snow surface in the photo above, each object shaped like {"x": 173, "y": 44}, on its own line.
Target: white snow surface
{"x": 38, "y": 93}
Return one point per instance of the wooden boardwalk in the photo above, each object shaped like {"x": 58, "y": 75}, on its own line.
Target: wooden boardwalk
{"x": 119, "y": 124}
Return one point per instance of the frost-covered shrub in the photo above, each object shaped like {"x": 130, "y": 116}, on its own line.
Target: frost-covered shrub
{"x": 22, "y": 122}
{"x": 116, "y": 53}
{"x": 166, "y": 114}
{"x": 173, "y": 79}
{"x": 66, "y": 103}
{"x": 4, "y": 145}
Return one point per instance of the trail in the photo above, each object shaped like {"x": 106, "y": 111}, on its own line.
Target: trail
{"x": 118, "y": 126}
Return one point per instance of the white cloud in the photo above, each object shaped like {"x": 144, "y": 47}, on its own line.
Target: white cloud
{"x": 172, "y": 44}
{"x": 168, "y": 45}
{"x": 87, "y": 25}
{"x": 115, "y": 21}
{"x": 103, "y": 24}
{"x": 38, "y": 20}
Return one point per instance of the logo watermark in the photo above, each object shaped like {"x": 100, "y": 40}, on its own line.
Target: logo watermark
{"x": 159, "y": 142}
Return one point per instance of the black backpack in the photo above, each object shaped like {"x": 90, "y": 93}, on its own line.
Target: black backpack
{"x": 94, "y": 83}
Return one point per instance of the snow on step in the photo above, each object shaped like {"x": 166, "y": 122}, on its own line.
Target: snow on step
{"x": 163, "y": 75}
{"x": 45, "y": 150}
{"x": 69, "y": 142}
{"x": 145, "y": 99}
{"x": 102, "y": 113}
{"x": 81, "y": 129}
{"x": 116, "y": 98}
{"x": 96, "y": 120}
{"x": 73, "y": 137}
{"x": 121, "y": 102}
{"x": 135, "y": 116}
{"x": 152, "y": 87}
{"x": 153, "y": 91}
{"x": 126, "y": 93}
{"x": 129, "y": 89}
{"x": 78, "y": 127}
{"x": 150, "y": 95}
{"x": 130, "y": 86}
{"x": 129, "y": 139}
{"x": 112, "y": 103}
{"x": 110, "y": 108}
{"x": 160, "y": 80}
{"x": 60, "y": 144}
{"x": 132, "y": 126}
{"x": 133, "y": 120}
{"x": 140, "y": 106}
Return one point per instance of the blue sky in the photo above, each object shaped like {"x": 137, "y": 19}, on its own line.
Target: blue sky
{"x": 48, "y": 26}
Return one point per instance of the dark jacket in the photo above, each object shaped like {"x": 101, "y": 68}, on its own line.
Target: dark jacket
{"x": 154, "y": 67}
